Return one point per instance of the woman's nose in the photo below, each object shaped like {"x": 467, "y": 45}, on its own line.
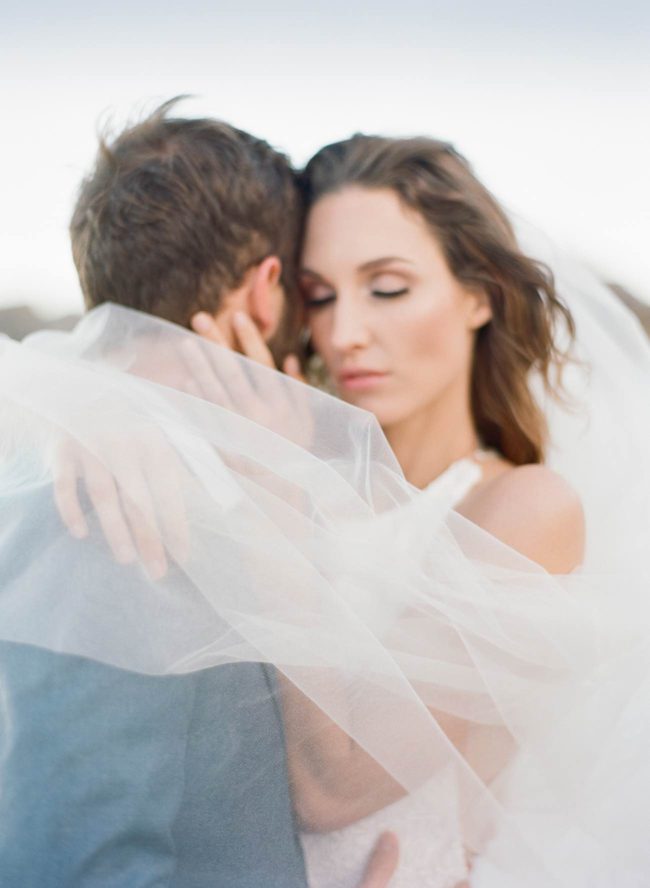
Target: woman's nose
{"x": 349, "y": 328}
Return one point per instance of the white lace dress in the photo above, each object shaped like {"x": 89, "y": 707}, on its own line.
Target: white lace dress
{"x": 426, "y": 822}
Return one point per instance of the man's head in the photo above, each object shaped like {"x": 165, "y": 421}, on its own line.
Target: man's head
{"x": 182, "y": 215}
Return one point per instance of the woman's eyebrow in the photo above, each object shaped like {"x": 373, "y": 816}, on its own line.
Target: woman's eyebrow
{"x": 383, "y": 260}
{"x": 310, "y": 273}
{"x": 367, "y": 266}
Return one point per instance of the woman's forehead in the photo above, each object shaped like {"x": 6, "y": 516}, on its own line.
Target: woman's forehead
{"x": 361, "y": 226}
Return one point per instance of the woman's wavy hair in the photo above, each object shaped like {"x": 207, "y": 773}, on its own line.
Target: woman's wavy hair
{"x": 481, "y": 251}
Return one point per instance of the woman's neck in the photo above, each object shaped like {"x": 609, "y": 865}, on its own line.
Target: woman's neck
{"x": 428, "y": 442}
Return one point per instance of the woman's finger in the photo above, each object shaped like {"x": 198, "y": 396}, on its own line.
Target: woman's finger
{"x": 165, "y": 476}
{"x": 238, "y": 384}
{"x": 237, "y": 388}
{"x": 103, "y": 495}
{"x": 204, "y": 375}
{"x": 250, "y": 340}
{"x": 190, "y": 387}
{"x": 291, "y": 367}
{"x": 140, "y": 510}
{"x": 66, "y": 496}
{"x": 383, "y": 862}
{"x": 206, "y": 326}
{"x": 231, "y": 373}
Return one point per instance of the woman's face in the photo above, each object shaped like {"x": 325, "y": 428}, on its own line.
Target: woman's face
{"x": 393, "y": 326}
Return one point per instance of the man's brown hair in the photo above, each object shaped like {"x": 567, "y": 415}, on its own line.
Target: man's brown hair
{"x": 176, "y": 211}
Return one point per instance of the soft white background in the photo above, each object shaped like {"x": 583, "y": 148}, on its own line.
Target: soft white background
{"x": 551, "y": 102}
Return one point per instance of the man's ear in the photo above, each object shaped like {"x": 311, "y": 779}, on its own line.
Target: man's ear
{"x": 265, "y": 295}
{"x": 479, "y": 309}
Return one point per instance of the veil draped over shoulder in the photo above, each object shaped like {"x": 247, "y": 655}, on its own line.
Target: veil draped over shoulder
{"x": 293, "y": 539}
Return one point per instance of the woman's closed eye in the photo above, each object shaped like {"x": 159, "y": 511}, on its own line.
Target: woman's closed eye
{"x": 318, "y": 295}
{"x": 388, "y": 286}
{"x": 390, "y": 294}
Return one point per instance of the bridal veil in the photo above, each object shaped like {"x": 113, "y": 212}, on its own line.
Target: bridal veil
{"x": 293, "y": 539}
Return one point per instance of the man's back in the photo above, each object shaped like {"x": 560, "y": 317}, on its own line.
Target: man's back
{"x": 114, "y": 778}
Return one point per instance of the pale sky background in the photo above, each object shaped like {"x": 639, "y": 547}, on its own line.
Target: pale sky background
{"x": 550, "y": 101}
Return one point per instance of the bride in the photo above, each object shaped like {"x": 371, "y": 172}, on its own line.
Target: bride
{"x": 425, "y": 312}
{"x": 423, "y": 309}
{"x": 446, "y": 662}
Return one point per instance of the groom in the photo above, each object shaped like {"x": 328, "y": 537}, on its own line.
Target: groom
{"x": 107, "y": 777}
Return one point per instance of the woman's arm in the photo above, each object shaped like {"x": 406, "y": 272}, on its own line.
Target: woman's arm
{"x": 334, "y": 781}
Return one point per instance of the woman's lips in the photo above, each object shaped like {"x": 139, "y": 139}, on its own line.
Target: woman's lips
{"x": 360, "y": 380}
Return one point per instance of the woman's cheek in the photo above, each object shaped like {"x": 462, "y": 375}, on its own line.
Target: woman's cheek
{"x": 320, "y": 336}
{"x": 434, "y": 342}
{"x": 422, "y": 331}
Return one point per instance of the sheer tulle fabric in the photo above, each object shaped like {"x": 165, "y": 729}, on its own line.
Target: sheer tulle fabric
{"x": 294, "y": 540}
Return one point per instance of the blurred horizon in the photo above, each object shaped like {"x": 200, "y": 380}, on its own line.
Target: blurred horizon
{"x": 549, "y": 104}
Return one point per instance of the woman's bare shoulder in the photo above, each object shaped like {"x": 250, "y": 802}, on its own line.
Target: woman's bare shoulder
{"x": 533, "y": 510}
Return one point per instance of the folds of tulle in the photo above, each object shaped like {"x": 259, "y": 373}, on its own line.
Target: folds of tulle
{"x": 299, "y": 543}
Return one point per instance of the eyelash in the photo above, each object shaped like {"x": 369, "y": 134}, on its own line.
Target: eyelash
{"x": 390, "y": 294}
{"x": 379, "y": 294}
{"x": 320, "y": 303}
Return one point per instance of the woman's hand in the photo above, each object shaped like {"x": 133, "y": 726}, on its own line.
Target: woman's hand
{"x": 383, "y": 862}
{"x": 139, "y": 516}
{"x": 266, "y": 399}
{"x": 248, "y": 338}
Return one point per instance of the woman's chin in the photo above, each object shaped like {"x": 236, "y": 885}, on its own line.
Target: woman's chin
{"x": 387, "y": 413}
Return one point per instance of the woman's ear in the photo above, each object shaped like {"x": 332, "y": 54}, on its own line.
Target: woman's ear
{"x": 266, "y": 295}
{"x": 479, "y": 309}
